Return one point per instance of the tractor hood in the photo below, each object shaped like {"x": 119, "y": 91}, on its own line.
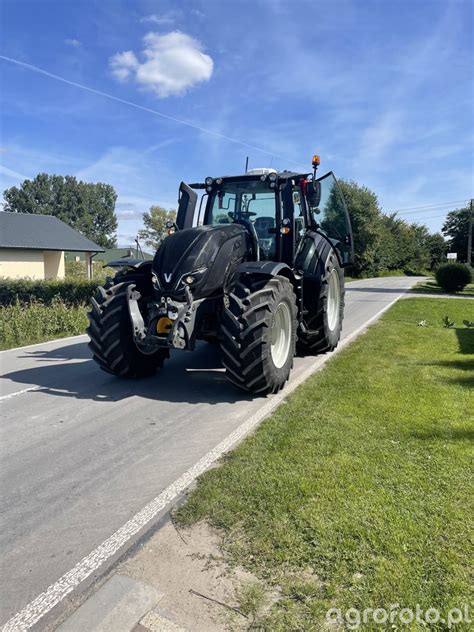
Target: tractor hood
{"x": 204, "y": 258}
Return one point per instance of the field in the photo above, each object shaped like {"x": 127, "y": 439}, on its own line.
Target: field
{"x": 357, "y": 492}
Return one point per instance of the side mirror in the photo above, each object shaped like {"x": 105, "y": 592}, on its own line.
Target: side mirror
{"x": 313, "y": 194}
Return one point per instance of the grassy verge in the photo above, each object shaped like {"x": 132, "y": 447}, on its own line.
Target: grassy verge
{"x": 357, "y": 493}
{"x": 35, "y": 322}
{"x": 431, "y": 287}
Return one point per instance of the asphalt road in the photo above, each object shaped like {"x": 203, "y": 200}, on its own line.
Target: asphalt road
{"x": 83, "y": 451}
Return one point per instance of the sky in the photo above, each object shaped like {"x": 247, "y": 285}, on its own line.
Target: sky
{"x": 142, "y": 94}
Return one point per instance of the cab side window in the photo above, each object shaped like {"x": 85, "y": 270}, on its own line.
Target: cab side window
{"x": 298, "y": 210}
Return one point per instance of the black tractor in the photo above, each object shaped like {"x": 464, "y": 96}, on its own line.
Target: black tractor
{"x": 256, "y": 268}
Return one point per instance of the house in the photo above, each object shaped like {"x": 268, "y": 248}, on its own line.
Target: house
{"x": 111, "y": 254}
{"x": 33, "y": 246}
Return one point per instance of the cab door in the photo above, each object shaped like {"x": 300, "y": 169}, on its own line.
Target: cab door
{"x": 331, "y": 218}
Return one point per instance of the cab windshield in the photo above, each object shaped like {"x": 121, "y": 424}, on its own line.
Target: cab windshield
{"x": 243, "y": 202}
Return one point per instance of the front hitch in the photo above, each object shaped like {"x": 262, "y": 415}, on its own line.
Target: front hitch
{"x": 181, "y": 315}
{"x": 138, "y": 324}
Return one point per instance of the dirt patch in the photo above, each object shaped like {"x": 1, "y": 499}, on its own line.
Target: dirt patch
{"x": 186, "y": 565}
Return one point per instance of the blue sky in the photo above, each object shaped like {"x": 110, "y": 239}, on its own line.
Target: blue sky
{"x": 381, "y": 89}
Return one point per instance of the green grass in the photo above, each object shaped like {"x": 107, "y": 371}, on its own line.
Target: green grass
{"x": 34, "y": 322}
{"x": 431, "y": 287}
{"x": 357, "y": 492}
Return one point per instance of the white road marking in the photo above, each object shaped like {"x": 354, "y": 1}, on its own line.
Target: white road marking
{"x": 45, "y": 342}
{"x": 25, "y": 390}
{"x": 53, "y": 595}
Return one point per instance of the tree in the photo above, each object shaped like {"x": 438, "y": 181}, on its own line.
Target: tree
{"x": 365, "y": 214}
{"x": 456, "y": 229}
{"x": 87, "y": 207}
{"x": 387, "y": 242}
{"x": 155, "y": 225}
{"x": 437, "y": 247}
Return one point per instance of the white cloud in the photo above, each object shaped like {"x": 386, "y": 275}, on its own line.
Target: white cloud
{"x": 172, "y": 63}
{"x": 12, "y": 175}
{"x": 131, "y": 214}
{"x": 165, "y": 18}
{"x": 75, "y": 43}
{"x": 123, "y": 64}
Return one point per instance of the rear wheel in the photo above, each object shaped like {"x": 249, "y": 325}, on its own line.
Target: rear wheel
{"x": 258, "y": 334}
{"x": 111, "y": 337}
{"x": 325, "y": 323}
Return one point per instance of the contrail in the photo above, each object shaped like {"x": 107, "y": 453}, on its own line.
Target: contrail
{"x": 41, "y": 71}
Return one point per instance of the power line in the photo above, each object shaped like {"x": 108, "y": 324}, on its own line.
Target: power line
{"x": 205, "y": 130}
{"x": 419, "y": 219}
{"x": 414, "y": 209}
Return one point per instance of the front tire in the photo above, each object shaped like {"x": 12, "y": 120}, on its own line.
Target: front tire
{"x": 111, "y": 337}
{"x": 258, "y": 334}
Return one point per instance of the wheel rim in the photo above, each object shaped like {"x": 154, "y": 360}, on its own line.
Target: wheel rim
{"x": 281, "y": 335}
{"x": 334, "y": 300}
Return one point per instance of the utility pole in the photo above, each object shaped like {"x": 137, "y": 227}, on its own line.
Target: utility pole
{"x": 469, "y": 236}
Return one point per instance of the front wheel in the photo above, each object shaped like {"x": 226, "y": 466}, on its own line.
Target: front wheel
{"x": 111, "y": 336}
{"x": 258, "y": 334}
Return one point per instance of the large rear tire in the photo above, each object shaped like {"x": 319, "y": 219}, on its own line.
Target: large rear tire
{"x": 325, "y": 323}
{"x": 258, "y": 334}
{"x": 111, "y": 337}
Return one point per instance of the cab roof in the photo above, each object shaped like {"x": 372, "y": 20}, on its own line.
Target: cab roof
{"x": 281, "y": 175}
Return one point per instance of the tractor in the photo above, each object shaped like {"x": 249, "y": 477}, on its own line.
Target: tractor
{"x": 256, "y": 267}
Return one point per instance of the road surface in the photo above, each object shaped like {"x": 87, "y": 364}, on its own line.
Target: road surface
{"x": 82, "y": 452}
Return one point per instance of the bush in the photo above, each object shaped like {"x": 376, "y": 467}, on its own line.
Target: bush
{"x": 23, "y": 291}
{"x": 77, "y": 270}
{"x": 453, "y": 277}
{"x": 35, "y": 322}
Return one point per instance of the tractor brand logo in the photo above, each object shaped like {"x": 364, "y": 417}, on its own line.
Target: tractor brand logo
{"x": 168, "y": 277}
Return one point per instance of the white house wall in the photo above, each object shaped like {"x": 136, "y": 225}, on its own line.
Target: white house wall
{"x": 54, "y": 264}
{"x": 18, "y": 264}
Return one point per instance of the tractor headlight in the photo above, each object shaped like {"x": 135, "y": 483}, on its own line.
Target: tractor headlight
{"x": 209, "y": 189}
{"x": 191, "y": 278}
{"x": 209, "y": 181}
{"x": 272, "y": 176}
{"x": 272, "y": 185}
{"x": 218, "y": 180}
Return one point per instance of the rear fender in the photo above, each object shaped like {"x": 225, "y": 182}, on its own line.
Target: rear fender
{"x": 265, "y": 268}
{"x": 271, "y": 269}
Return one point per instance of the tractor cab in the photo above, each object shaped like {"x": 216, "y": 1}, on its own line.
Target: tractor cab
{"x": 276, "y": 208}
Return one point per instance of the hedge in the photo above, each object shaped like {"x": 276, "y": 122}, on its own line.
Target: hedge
{"x": 453, "y": 277}
{"x": 24, "y": 291}
{"x": 35, "y": 322}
